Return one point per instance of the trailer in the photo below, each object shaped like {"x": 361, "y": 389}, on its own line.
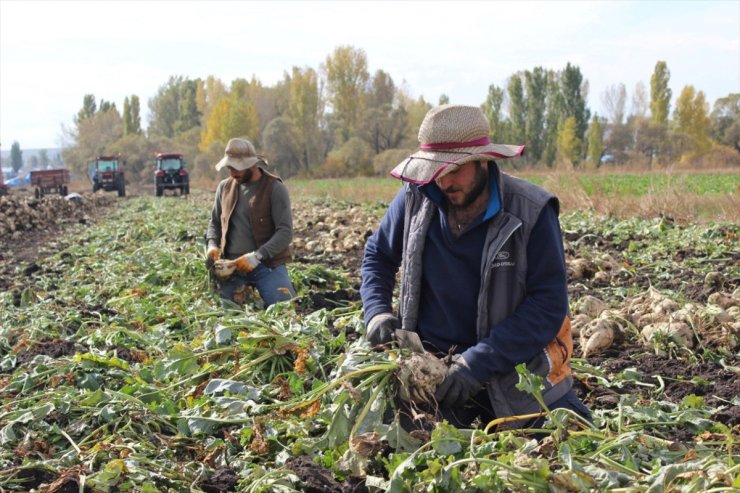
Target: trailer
{"x": 49, "y": 181}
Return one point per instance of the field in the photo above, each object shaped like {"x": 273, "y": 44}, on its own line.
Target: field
{"x": 121, "y": 370}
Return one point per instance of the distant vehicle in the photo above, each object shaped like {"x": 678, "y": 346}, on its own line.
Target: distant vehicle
{"x": 170, "y": 173}
{"x": 49, "y": 181}
{"x": 108, "y": 174}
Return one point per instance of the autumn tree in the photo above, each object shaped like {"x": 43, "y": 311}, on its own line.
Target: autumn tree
{"x": 574, "y": 91}
{"x": 91, "y": 137}
{"x": 639, "y": 105}
{"x": 660, "y": 93}
{"x": 416, "y": 110}
{"x": 692, "y": 119}
{"x": 726, "y": 121}
{"x": 595, "y": 144}
{"x": 282, "y": 146}
{"x": 208, "y": 93}
{"x": 569, "y": 145}
{"x": 614, "y": 100}
{"x": 89, "y": 108}
{"x": 384, "y": 123}
{"x": 346, "y": 76}
{"x": 304, "y": 113}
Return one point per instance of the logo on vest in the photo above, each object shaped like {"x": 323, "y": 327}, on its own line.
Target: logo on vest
{"x": 502, "y": 260}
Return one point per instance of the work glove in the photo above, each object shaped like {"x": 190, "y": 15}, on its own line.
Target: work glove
{"x": 459, "y": 384}
{"x": 213, "y": 253}
{"x": 381, "y": 327}
{"x": 248, "y": 262}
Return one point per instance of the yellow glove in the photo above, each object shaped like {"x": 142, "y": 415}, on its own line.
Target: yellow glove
{"x": 248, "y": 262}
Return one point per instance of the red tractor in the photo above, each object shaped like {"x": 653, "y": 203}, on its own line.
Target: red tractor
{"x": 108, "y": 174}
{"x": 170, "y": 173}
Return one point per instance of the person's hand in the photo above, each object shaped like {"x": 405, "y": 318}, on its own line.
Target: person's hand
{"x": 247, "y": 262}
{"x": 459, "y": 384}
{"x": 381, "y": 328}
{"x": 212, "y": 254}
{"x": 224, "y": 268}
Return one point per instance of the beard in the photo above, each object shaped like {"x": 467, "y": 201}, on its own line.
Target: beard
{"x": 479, "y": 185}
{"x": 244, "y": 179}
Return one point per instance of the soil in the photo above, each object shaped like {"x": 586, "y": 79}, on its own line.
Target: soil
{"x": 222, "y": 480}
{"x": 318, "y": 479}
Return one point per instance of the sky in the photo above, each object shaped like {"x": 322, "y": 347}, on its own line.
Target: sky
{"x": 52, "y": 53}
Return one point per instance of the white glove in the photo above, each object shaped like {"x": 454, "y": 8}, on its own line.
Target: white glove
{"x": 248, "y": 262}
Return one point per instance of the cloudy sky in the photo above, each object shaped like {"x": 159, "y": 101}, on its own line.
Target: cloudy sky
{"x": 53, "y": 53}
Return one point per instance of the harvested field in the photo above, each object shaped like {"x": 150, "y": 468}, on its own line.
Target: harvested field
{"x": 121, "y": 370}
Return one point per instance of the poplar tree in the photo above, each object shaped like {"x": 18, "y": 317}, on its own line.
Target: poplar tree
{"x": 492, "y": 110}
{"x": 660, "y": 93}
{"x": 595, "y": 144}
{"x": 16, "y": 157}
{"x": 517, "y": 110}
{"x": 574, "y": 91}
{"x": 88, "y": 108}
{"x": 536, "y": 87}
{"x": 135, "y": 114}
{"x": 126, "y": 117}
{"x": 552, "y": 121}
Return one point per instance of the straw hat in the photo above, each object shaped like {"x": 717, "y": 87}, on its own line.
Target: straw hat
{"x": 451, "y": 135}
{"x": 240, "y": 155}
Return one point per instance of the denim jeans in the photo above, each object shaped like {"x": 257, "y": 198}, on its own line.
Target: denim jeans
{"x": 273, "y": 284}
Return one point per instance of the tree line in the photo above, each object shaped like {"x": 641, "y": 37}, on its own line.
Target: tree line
{"x": 340, "y": 120}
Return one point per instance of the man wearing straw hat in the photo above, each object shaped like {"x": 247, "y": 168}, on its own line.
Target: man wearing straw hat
{"x": 483, "y": 275}
{"x": 251, "y": 228}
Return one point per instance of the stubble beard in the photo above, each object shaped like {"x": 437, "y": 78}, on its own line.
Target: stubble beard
{"x": 481, "y": 182}
{"x": 246, "y": 177}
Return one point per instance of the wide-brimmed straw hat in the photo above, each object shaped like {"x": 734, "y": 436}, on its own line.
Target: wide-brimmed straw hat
{"x": 449, "y": 136}
{"x": 240, "y": 155}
